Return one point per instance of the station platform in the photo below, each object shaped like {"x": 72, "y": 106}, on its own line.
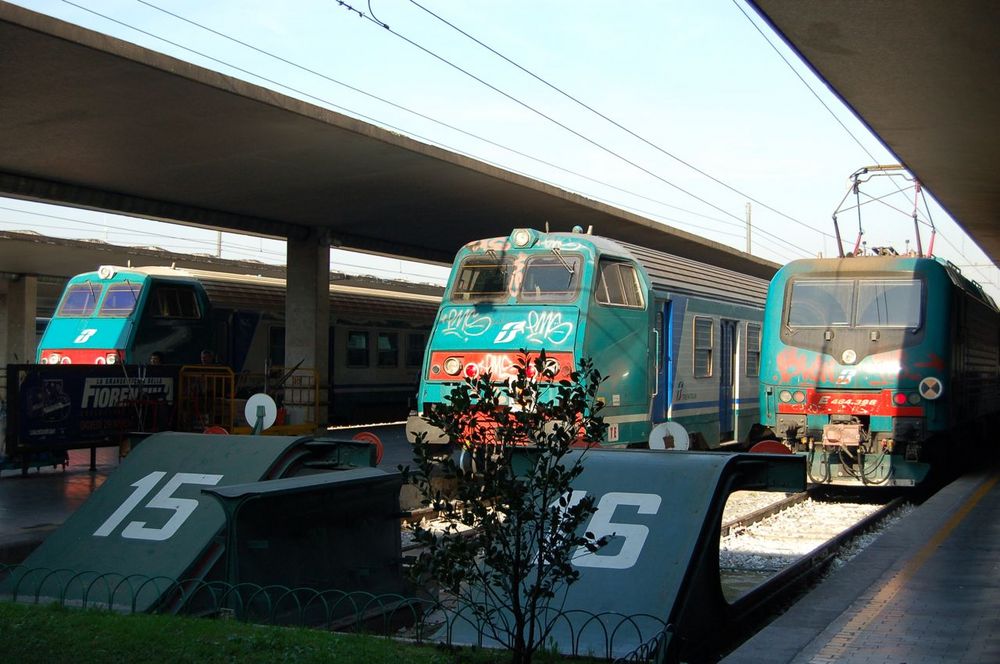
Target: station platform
{"x": 926, "y": 591}
{"x": 33, "y": 505}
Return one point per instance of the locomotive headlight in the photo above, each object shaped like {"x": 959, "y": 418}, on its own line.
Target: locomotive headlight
{"x": 798, "y": 396}
{"x": 112, "y": 358}
{"x": 849, "y": 356}
{"x": 520, "y": 237}
{"x": 785, "y": 396}
{"x": 552, "y": 366}
{"x": 453, "y": 366}
{"x": 65, "y": 360}
{"x": 914, "y": 398}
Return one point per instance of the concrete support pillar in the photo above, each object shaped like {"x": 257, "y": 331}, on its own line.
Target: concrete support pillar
{"x": 307, "y": 314}
{"x": 21, "y": 309}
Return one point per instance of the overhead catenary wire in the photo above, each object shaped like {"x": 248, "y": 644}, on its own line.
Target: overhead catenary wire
{"x": 617, "y": 124}
{"x": 546, "y": 116}
{"x": 358, "y": 114}
{"x": 739, "y": 222}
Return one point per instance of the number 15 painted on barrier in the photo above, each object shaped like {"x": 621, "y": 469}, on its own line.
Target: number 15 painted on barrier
{"x": 164, "y": 500}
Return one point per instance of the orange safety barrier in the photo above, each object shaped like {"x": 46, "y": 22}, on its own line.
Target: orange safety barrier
{"x": 205, "y": 398}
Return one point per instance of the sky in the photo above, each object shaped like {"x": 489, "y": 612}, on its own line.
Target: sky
{"x": 681, "y": 111}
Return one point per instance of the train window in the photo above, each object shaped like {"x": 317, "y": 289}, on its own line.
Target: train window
{"x": 703, "y": 341}
{"x": 618, "y": 285}
{"x": 753, "y": 349}
{"x": 175, "y": 302}
{"x": 80, "y": 300}
{"x": 415, "y": 345}
{"x": 551, "y": 278}
{"x": 818, "y": 303}
{"x": 388, "y": 349}
{"x": 357, "y": 349}
{"x": 480, "y": 279}
{"x": 120, "y": 299}
{"x": 889, "y": 303}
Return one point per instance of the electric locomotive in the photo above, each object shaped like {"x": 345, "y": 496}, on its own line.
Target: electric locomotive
{"x": 677, "y": 341}
{"x": 122, "y": 315}
{"x": 878, "y": 367}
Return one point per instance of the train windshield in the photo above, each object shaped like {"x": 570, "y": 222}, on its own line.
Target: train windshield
{"x": 120, "y": 300}
{"x": 482, "y": 280}
{"x": 80, "y": 300}
{"x": 889, "y": 303}
{"x": 551, "y": 278}
{"x": 855, "y": 303}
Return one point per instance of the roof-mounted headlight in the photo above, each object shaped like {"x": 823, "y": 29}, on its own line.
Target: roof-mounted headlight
{"x": 522, "y": 238}
{"x": 106, "y": 271}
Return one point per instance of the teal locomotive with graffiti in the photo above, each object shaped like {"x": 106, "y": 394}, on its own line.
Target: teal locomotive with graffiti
{"x": 878, "y": 367}
{"x": 677, "y": 341}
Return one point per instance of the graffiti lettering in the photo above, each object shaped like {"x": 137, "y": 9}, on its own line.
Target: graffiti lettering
{"x": 465, "y": 323}
{"x": 548, "y": 328}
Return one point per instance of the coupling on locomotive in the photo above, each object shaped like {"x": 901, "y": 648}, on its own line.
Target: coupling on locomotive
{"x": 676, "y": 341}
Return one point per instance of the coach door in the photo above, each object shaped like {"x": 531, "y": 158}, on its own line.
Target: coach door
{"x": 661, "y": 343}
{"x": 727, "y": 365}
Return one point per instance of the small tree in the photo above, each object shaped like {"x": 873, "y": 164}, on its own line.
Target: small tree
{"x": 519, "y": 527}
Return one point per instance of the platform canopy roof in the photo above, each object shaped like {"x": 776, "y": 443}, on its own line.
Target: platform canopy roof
{"x": 91, "y": 121}
{"x": 922, "y": 74}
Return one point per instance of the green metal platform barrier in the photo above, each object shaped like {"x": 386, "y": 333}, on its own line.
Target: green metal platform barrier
{"x": 150, "y": 523}
{"x": 661, "y": 567}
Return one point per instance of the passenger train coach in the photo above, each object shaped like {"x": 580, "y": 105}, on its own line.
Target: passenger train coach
{"x": 677, "y": 341}
{"x": 879, "y": 367}
{"x": 378, "y": 329}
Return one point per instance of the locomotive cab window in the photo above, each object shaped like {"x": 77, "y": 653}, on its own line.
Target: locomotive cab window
{"x": 551, "y": 278}
{"x": 821, "y": 303}
{"x": 618, "y": 285}
{"x": 889, "y": 303}
{"x": 80, "y": 300}
{"x": 120, "y": 299}
{"x": 175, "y": 302}
{"x": 480, "y": 279}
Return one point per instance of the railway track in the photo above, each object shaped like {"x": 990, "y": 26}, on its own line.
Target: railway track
{"x": 793, "y": 571}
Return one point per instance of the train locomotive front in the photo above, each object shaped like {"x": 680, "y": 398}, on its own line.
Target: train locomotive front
{"x": 877, "y": 367}
{"x": 572, "y": 294}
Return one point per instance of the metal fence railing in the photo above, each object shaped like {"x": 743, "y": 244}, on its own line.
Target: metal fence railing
{"x": 631, "y": 638}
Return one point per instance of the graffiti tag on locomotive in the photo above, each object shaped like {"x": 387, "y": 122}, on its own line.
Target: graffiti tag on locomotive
{"x": 677, "y": 341}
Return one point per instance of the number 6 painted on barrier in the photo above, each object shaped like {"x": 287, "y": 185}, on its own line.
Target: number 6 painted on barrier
{"x": 635, "y": 534}
{"x": 182, "y": 507}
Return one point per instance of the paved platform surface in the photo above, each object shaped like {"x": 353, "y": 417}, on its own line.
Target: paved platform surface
{"x": 35, "y": 504}
{"x": 927, "y": 591}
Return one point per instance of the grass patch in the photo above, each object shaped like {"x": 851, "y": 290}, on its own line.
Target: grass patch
{"x": 53, "y": 634}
